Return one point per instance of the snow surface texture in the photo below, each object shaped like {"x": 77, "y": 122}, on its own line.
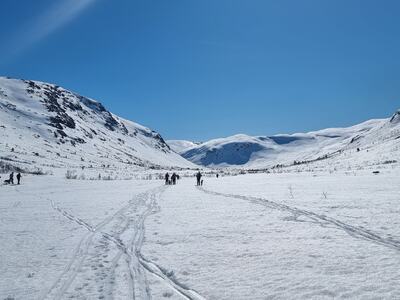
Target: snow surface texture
{"x": 376, "y": 139}
{"x": 292, "y": 235}
{"x": 45, "y": 125}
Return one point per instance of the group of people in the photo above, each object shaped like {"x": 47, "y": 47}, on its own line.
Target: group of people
{"x": 10, "y": 179}
{"x": 171, "y": 179}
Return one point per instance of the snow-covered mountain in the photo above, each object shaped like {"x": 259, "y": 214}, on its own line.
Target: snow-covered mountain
{"x": 43, "y": 124}
{"x": 180, "y": 146}
{"x": 372, "y": 141}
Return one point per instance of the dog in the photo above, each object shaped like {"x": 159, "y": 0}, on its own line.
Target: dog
{"x": 8, "y": 181}
{"x": 201, "y": 182}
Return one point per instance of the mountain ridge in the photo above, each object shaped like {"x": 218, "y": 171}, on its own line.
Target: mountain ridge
{"x": 45, "y": 124}
{"x": 247, "y": 151}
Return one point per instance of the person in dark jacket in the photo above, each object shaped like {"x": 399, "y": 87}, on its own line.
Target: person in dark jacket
{"x": 173, "y": 178}
{"x": 11, "y": 178}
{"x": 198, "y": 177}
{"x": 167, "y": 178}
{"x": 19, "y": 178}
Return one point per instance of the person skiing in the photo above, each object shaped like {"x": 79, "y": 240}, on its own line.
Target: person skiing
{"x": 19, "y": 178}
{"x": 198, "y": 176}
{"x": 217, "y": 175}
{"x": 12, "y": 178}
{"x": 167, "y": 178}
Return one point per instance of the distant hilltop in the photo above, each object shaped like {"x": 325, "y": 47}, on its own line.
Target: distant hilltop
{"x": 377, "y": 140}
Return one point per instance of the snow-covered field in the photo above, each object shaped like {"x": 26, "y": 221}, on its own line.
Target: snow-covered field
{"x": 299, "y": 235}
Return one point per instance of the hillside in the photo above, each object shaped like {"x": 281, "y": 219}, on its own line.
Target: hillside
{"x": 44, "y": 125}
{"x": 371, "y": 142}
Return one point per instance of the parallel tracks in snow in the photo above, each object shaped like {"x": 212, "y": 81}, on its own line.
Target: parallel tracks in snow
{"x": 130, "y": 218}
{"x": 355, "y": 231}
{"x": 66, "y": 278}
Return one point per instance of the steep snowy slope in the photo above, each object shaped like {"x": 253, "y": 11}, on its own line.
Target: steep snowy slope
{"x": 45, "y": 125}
{"x": 380, "y": 137}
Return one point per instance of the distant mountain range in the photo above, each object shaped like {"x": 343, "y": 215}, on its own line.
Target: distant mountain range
{"x": 42, "y": 124}
{"x": 374, "y": 141}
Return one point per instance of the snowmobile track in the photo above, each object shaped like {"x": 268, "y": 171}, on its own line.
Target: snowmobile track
{"x": 322, "y": 220}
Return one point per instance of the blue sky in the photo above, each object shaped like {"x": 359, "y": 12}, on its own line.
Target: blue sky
{"x": 203, "y": 69}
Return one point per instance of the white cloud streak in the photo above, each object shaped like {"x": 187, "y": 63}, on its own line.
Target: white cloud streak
{"x": 57, "y": 16}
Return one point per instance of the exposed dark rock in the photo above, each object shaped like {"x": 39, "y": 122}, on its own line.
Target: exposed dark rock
{"x": 396, "y": 117}
{"x": 62, "y": 133}
{"x": 94, "y": 105}
{"x": 79, "y": 140}
{"x": 71, "y": 105}
{"x": 356, "y": 138}
{"x": 111, "y": 123}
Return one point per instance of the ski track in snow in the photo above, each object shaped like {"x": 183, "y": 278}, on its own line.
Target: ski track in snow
{"x": 322, "y": 220}
{"x": 130, "y": 217}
